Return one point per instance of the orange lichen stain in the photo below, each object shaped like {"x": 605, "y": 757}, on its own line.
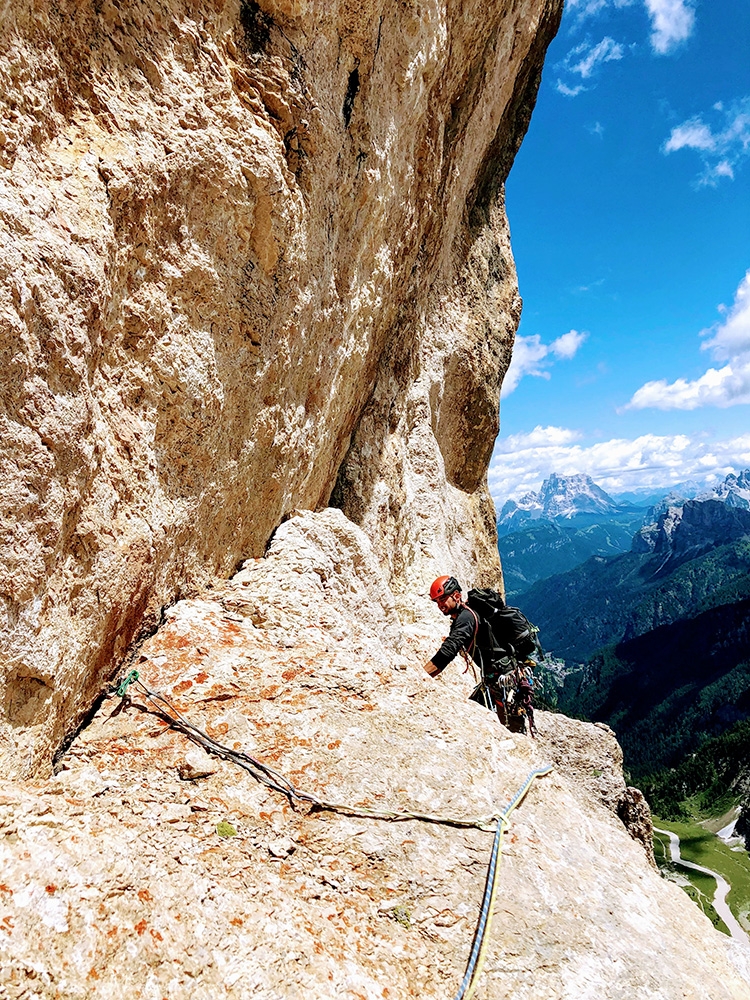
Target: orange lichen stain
{"x": 336, "y": 743}
{"x": 222, "y": 729}
{"x": 145, "y": 895}
{"x": 265, "y": 815}
{"x": 237, "y": 921}
{"x": 236, "y": 746}
{"x": 182, "y": 686}
{"x": 201, "y": 678}
{"x": 141, "y": 926}
{"x": 270, "y": 692}
{"x": 290, "y": 674}
{"x": 155, "y": 934}
{"x": 296, "y": 700}
{"x": 318, "y": 947}
{"x": 367, "y": 708}
{"x": 113, "y": 932}
{"x": 93, "y": 974}
{"x": 6, "y": 890}
{"x": 175, "y": 642}
{"x": 51, "y": 889}
{"x": 6, "y": 924}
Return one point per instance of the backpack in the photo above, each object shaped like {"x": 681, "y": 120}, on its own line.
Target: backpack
{"x": 509, "y": 633}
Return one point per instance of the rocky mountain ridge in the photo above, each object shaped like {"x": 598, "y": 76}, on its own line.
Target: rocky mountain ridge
{"x": 680, "y": 529}
{"x": 148, "y": 862}
{"x": 692, "y": 557}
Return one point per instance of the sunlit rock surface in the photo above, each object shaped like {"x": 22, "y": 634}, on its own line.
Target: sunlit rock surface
{"x": 116, "y": 868}
{"x": 252, "y": 255}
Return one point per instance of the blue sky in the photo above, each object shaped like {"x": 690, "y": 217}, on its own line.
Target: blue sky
{"x": 629, "y": 207}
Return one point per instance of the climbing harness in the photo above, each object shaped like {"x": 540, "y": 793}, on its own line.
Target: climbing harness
{"x": 481, "y": 936}
{"x": 276, "y": 781}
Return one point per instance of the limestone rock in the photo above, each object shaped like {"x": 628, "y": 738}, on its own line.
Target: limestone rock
{"x": 590, "y": 755}
{"x": 252, "y": 254}
{"x": 116, "y": 880}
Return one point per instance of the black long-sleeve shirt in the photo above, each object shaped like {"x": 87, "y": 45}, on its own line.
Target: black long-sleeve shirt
{"x": 461, "y": 636}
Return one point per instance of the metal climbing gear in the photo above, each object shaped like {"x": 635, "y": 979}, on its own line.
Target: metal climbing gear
{"x": 131, "y": 678}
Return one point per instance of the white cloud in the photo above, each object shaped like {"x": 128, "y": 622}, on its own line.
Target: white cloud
{"x": 567, "y": 91}
{"x": 693, "y": 134}
{"x": 606, "y": 50}
{"x": 566, "y": 346}
{"x": 583, "y": 60}
{"x": 728, "y": 340}
{"x": 532, "y": 357}
{"x": 722, "y": 147}
{"x": 522, "y": 461}
{"x": 672, "y": 23}
{"x": 731, "y": 338}
{"x": 581, "y": 9}
{"x": 720, "y": 387}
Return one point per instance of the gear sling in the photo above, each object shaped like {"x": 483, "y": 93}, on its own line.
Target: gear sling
{"x": 507, "y": 692}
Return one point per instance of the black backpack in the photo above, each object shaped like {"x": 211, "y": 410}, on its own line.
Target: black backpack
{"x": 509, "y": 632}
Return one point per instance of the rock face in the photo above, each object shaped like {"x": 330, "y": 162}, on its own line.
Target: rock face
{"x": 255, "y": 259}
{"x": 686, "y": 532}
{"x": 124, "y": 865}
{"x": 254, "y": 255}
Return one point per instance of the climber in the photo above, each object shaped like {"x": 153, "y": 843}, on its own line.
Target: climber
{"x": 471, "y": 635}
{"x": 446, "y": 593}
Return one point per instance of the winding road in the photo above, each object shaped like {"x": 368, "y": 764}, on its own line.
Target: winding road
{"x": 722, "y": 886}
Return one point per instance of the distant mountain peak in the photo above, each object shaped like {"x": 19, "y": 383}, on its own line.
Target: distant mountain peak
{"x": 676, "y": 526}
{"x": 566, "y": 496}
{"x": 734, "y": 491}
{"x": 561, "y": 498}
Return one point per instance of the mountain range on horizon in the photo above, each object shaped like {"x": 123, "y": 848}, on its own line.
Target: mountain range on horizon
{"x": 572, "y": 518}
{"x": 660, "y": 633}
{"x": 566, "y": 497}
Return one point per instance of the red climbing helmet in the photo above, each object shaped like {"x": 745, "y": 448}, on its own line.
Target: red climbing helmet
{"x": 444, "y": 586}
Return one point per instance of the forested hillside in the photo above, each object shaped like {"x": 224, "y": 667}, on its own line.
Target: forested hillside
{"x": 547, "y": 548}
{"x": 656, "y": 643}
{"x": 607, "y": 600}
{"x": 667, "y": 691}
{"x": 720, "y": 766}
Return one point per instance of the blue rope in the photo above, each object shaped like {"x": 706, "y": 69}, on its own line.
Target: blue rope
{"x": 474, "y": 964}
